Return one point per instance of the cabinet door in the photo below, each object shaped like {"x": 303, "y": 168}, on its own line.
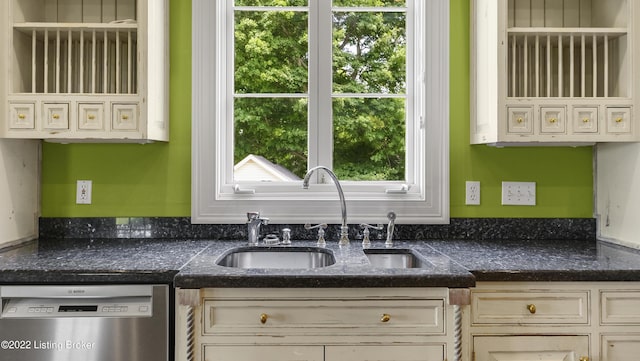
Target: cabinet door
{"x": 385, "y": 353}
{"x": 262, "y": 353}
{"x": 620, "y": 347}
{"x": 530, "y": 348}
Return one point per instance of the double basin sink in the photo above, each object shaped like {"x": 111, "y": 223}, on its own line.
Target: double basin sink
{"x": 312, "y": 257}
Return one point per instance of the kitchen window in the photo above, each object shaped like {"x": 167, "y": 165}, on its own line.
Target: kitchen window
{"x": 257, "y": 128}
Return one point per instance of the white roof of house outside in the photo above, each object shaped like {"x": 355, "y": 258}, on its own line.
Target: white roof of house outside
{"x": 258, "y": 168}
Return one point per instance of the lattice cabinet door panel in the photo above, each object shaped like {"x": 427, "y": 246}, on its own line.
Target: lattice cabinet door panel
{"x": 85, "y": 70}
{"x": 554, "y": 71}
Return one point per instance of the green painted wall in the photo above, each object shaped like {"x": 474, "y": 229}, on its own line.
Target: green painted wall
{"x": 132, "y": 180}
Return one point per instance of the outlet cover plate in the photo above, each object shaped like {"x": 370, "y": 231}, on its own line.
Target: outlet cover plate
{"x": 83, "y": 192}
{"x": 472, "y": 193}
{"x": 519, "y": 193}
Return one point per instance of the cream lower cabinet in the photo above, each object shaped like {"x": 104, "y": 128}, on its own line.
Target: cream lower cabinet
{"x": 530, "y": 348}
{"x": 553, "y": 321}
{"x": 383, "y": 324}
{"x": 320, "y": 353}
{"x": 266, "y": 353}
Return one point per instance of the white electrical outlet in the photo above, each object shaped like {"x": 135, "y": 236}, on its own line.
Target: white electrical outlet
{"x": 519, "y": 193}
{"x": 83, "y": 192}
{"x": 472, "y": 193}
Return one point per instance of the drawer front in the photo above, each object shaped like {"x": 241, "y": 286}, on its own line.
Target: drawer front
{"x": 124, "y": 117}
{"x": 91, "y": 116}
{"x": 56, "y": 116}
{"x": 619, "y": 120}
{"x": 585, "y": 119}
{"x": 620, "y": 307}
{"x": 530, "y": 307}
{"x": 552, "y": 120}
{"x": 519, "y": 120}
{"x": 22, "y": 116}
{"x": 360, "y": 316}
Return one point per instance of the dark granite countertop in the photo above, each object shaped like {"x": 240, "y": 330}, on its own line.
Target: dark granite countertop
{"x": 351, "y": 269}
{"x": 191, "y": 263}
{"x": 97, "y": 261}
{"x": 543, "y": 260}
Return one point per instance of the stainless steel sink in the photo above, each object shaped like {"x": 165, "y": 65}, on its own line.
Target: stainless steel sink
{"x": 275, "y": 257}
{"x": 393, "y": 258}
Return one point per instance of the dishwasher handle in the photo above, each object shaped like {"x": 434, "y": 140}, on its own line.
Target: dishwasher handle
{"x": 76, "y": 291}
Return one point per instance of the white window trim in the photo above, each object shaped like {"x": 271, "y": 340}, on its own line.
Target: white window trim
{"x": 215, "y": 201}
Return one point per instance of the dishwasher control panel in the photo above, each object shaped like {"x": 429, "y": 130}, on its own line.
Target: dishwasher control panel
{"x": 85, "y": 303}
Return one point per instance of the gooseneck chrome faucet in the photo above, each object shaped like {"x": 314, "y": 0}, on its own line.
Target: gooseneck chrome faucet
{"x": 344, "y": 229}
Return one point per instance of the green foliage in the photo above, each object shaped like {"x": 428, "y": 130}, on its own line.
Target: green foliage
{"x": 369, "y": 56}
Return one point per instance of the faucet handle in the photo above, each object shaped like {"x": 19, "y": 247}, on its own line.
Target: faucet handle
{"x": 390, "y": 228}
{"x": 366, "y": 242}
{"x": 255, "y": 216}
{"x": 321, "y": 227}
{"x": 286, "y": 236}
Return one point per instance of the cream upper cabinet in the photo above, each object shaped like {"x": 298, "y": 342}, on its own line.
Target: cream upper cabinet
{"x": 554, "y": 71}
{"x": 85, "y": 70}
{"x": 394, "y": 324}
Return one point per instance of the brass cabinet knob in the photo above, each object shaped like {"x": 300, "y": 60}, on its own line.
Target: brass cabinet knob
{"x": 21, "y": 116}
{"x": 91, "y": 117}
{"x": 584, "y": 358}
{"x": 619, "y": 120}
{"x": 263, "y": 318}
{"x": 552, "y": 120}
{"x": 385, "y": 317}
{"x": 125, "y": 117}
{"x": 56, "y": 116}
{"x": 519, "y": 120}
{"x": 531, "y": 308}
{"x": 586, "y": 120}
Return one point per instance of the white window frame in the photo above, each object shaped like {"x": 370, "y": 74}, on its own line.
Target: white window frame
{"x": 217, "y": 199}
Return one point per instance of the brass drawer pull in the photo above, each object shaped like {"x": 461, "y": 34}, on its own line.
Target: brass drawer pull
{"x": 56, "y": 116}
{"x": 619, "y": 120}
{"x": 263, "y": 318}
{"x": 585, "y": 120}
{"x": 519, "y": 120}
{"x": 125, "y": 117}
{"x": 91, "y": 117}
{"x": 21, "y": 116}
{"x": 531, "y": 308}
{"x": 385, "y": 317}
{"x": 552, "y": 120}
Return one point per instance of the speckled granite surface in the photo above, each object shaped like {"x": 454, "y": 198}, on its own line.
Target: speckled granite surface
{"x": 457, "y": 255}
{"x": 351, "y": 269}
{"x": 543, "y": 260}
{"x": 459, "y": 229}
{"x": 192, "y": 264}
{"x": 97, "y": 261}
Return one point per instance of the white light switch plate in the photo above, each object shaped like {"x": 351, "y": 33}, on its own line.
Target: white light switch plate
{"x": 83, "y": 192}
{"x": 519, "y": 193}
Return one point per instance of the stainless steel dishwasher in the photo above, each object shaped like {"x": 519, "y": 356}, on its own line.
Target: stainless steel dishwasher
{"x": 88, "y": 323}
